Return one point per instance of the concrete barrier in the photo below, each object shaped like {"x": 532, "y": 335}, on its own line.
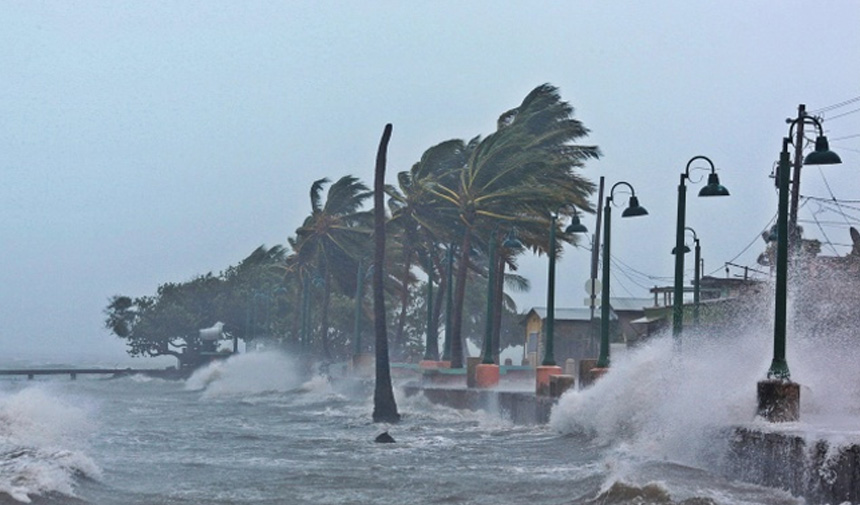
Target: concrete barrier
{"x": 472, "y": 372}
{"x": 558, "y": 384}
{"x": 520, "y": 407}
{"x": 814, "y": 470}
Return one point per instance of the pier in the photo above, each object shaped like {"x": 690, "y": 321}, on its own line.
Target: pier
{"x": 31, "y": 373}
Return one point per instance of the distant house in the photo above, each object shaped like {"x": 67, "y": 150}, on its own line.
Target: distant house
{"x": 575, "y": 334}
{"x": 721, "y": 299}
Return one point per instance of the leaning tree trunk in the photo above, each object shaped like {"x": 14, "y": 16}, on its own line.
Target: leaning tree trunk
{"x": 459, "y": 298}
{"x": 384, "y": 406}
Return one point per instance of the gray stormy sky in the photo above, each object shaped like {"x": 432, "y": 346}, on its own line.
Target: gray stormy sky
{"x": 144, "y": 142}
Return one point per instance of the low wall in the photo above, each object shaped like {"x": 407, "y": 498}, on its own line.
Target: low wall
{"x": 814, "y": 470}
{"x": 520, "y": 407}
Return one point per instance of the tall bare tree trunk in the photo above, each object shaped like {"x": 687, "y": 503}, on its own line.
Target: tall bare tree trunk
{"x": 384, "y": 406}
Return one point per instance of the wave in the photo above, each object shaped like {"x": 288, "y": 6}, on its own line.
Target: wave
{"x": 40, "y": 445}
{"x": 252, "y": 373}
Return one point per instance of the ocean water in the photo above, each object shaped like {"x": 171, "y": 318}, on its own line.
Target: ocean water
{"x": 250, "y": 430}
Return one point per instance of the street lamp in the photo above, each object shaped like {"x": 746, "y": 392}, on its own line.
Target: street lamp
{"x": 633, "y": 209}
{"x": 548, "y": 366}
{"x": 575, "y": 227}
{"x": 488, "y": 372}
{"x": 713, "y": 188}
{"x": 696, "y": 274}
{"x": 449, "y": 304}
{"x": 360, "y": 275}
{"x": 778, "y": 397}
{"x": 431, "y": 348}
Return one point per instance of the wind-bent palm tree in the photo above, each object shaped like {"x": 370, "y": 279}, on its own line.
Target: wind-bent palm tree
{"x": 518, "y": 176}
{"x": 416, "y": 220}
{"x": 325, "y": 248}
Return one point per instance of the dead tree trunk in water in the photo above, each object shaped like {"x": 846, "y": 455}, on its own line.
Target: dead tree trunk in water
{"x": 384, "y": 406}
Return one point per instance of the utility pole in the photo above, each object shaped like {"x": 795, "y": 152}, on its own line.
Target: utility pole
{"x": 595, "y": 258}
{"x": 793, "y": 236}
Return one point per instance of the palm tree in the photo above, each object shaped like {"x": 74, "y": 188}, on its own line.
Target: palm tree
{"x": 384, "y": 406}
{"x": 325, "y": 248}
{"x": 416, "y": 220}
{"x": 518, "y": 176}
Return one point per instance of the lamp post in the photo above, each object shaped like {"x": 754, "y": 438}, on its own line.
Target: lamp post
{"x": 696, "y": 276}
{"x": 713, "y": 188}
{"x": 633, "y": 209}
{"x": 361, "y": 361}
{"x": 575, "y": 226}
{"x": 431, "y": 348}
{"x": 449, "y": 305}
{"x": 778, "y": 397}
{"x": 548, "y": 366}
{"x": 359, "y": 291}
{"x": 487, "y": 373}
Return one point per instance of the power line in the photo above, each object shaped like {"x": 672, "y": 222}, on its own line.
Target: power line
{"x": 745, "y": 249}
{"x": 831, "y": 118}
{"x": 836, "y": 105}
{"x": 846, "y": 137}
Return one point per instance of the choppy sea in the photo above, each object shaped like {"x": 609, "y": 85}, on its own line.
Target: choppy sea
{"x": 250, "y": 431}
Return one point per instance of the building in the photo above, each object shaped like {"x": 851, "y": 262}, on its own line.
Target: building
{"x": 576, "y": 335}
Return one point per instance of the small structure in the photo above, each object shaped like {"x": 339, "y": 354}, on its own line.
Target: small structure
{"x": 575, "y": 332}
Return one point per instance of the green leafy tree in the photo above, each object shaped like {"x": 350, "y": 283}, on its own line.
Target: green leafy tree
{"x": 327, "y": 245}
{"x": 418, "y": 222}
{"x": 517, "y": 177}
{"x": 168, "y": 323}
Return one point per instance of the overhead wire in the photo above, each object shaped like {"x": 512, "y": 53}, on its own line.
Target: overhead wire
{"x": 836, "y": 105}
{"x": 846, "y": 137}
{"x": 831, "y": 118}
{"x": 745, "y": 249}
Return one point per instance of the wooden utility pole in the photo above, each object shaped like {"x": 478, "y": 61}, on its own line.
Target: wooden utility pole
{"x": 793, "y": 236}
{"x": 595, "y": 258}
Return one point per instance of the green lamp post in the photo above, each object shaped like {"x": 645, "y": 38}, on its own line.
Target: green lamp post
{"x": 359, "y": 295}
{"x": 778, "y": 397}
{"x": 633, "y": 210}
{"x": 575, "y": 226}
{"x": 822, "y": 155}
{"x": 713, "y": 188}
{"x": 431, "y": 349}
{"x": 511, "y": 242}
{"x": 449, "y": 302}
{"x": 696, "y": 272}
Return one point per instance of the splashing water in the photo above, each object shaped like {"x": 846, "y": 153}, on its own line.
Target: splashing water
{"x": 40, "y": 439}
{"x": 676, "y": 401}
{"x": 243, "y": 374}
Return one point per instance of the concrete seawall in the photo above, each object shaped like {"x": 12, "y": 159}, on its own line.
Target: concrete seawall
{"x": 817, "y": 470}
{"x": 520, "y": 407}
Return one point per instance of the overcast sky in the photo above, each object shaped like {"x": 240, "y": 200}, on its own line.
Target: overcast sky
{"x": 145, "y": 142}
